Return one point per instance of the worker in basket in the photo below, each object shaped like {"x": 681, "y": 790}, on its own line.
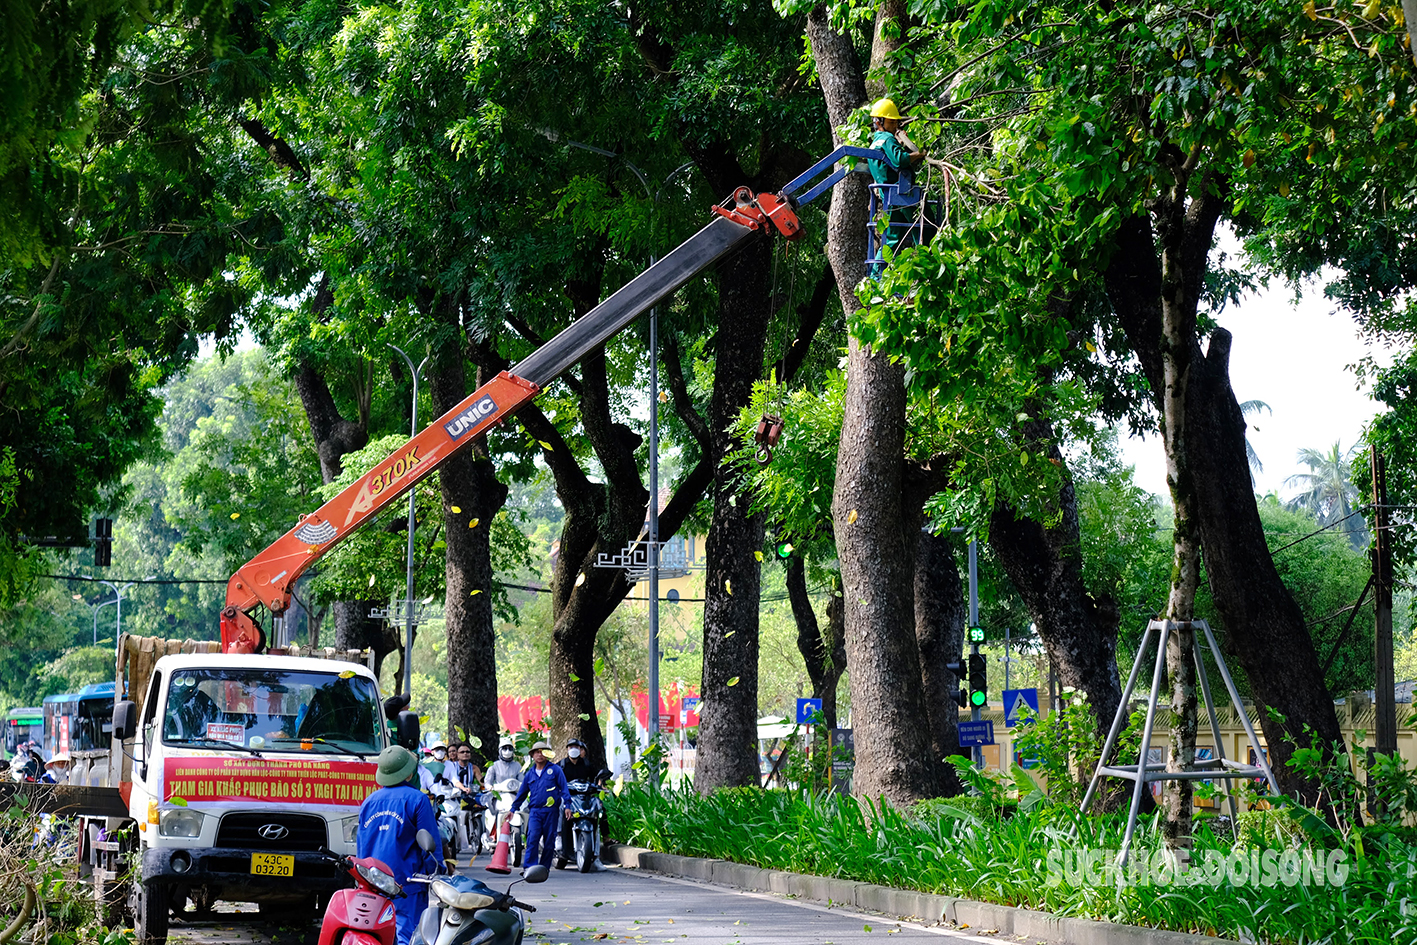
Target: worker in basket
{"x": 897, "y": 198}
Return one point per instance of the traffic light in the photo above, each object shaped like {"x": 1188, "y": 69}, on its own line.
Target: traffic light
{"x": 961, "y": 697}
{"x": 978, "y": 682}
{"x": 976, "y": 634}
{"x": 102, "y": 542}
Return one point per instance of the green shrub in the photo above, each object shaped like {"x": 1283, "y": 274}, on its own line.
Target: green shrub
{"x": 982, "y": 807}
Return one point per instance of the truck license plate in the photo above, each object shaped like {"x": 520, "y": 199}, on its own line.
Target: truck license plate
{"x": 272, "y": 864}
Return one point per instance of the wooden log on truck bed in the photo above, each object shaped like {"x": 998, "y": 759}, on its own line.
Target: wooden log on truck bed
{"x": 71, "y": 800}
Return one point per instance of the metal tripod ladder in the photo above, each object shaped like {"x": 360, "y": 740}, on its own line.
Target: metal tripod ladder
{"x": 1141, "y": 773}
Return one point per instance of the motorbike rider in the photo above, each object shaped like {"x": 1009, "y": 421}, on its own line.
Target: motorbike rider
{"x": 503, "y": 769}
{"x": 389, "y": 821}
{"x": 56, "y": 769}
{"x": 544, "y": 790}
{"x": 576, "y": 767}
{"x": 462, "y": 774}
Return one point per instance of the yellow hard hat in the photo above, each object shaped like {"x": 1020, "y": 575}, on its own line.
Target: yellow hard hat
{"x": 885, "y": 108}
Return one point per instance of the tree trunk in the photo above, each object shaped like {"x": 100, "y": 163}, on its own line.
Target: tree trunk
{"x": 469, "y": 484}
{"x": 1045, "y": 565}
{"x": 939, "y": 635}
{"x": 892, "y": 747}
{"x": 728, "y": 715}
{"x": 823, "y": 653}
{"x": 1263, "y": 626}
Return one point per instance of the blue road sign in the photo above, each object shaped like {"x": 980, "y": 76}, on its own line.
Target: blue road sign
{"x": 1016, "y": 701}
{"x": 976, "y": 733}
{"x": 805, "y": 708}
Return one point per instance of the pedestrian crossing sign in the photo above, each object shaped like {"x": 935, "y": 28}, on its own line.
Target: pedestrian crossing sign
{"x": 1019, "y": 704}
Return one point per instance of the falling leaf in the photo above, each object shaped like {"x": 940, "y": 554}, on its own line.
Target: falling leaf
{"x": 733, "y": 681}
{"x": 671, "y": 921}
{"x": 423, "y": 719}
{"x": 371, "y": 580}
{"x": 551, "y": 802}
{"x": 456, "y": 510}
{"x": 472, "y": 523}
{"x": 475, "y": 742}
{"x": 865, "y": 928}
{"x": 546, "y": 446}
{"x": 728, "y": 586}
{"x": 597, "y": 905}
{"x": 733, "y": 501}
{"x": 851, "y": 517}
{"x": 599, "y": 665}
{"x": 664, "y": 397}
{"x": 475, "y": 593}
{"x": 584, "y": 716}
{"x": 235, "y": 516}
{"x": 729, "y": 634}
{"x": 758, "y": 555}
{"x": 347, "y": 674}
{"x": 575, "y": 678}
{"x": 1091, "y": 346}
{"x": 177, "y": 801}
{"x": 580, "y": 579}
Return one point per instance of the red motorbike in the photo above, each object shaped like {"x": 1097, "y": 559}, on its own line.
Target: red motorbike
{"x": 363, "y": 915}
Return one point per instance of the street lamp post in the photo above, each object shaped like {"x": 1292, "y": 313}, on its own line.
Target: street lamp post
{"x": 95, "y": 608}
{"x": 118, "y": 599}
{"x": 412, "y": 494}
{"x": 652, "y": 716}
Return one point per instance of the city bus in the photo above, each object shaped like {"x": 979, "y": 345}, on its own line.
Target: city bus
{"x": 21, "y": 725}
{"x": 76, "y": 722}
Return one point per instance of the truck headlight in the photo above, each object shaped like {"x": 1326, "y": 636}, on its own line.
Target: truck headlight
{"x": 180, "y": 822}
{"x": 350, "y": 829}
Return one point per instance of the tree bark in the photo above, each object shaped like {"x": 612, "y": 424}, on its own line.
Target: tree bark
{"x": 1045, "y": 565}
{"x": 939, "y": 635}
{"x": 1263, "y": 626}
{"x": 468, "y": 481}
{"x": 823, "y": 653}
{"x": 728, "y": 715}
{"x": 893, "y": 751}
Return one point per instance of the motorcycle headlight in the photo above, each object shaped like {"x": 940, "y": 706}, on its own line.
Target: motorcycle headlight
{"x": 380, "y": 880}
{"x": 349, "y": 827}
{"x": 180, "y": 822}
{"x": 450, "y": 895}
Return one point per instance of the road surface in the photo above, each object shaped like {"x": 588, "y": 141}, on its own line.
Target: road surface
{"x": 629, "y": 907}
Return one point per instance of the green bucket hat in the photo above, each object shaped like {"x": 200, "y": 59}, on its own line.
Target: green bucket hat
{"x": 396, "y": 765}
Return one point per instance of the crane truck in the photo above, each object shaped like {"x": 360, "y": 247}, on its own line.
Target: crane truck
{"x": 240, "y": 765}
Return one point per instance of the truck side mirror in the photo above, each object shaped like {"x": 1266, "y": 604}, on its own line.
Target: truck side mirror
{"x": 407, "y": 729}
{"x": 125, "y": 720}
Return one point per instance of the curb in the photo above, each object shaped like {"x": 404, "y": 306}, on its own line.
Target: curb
{"x": 905, "y": 903}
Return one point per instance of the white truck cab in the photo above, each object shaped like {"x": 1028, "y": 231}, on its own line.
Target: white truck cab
{"x": 244, "y": 769}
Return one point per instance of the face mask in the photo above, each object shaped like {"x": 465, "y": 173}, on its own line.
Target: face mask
{"x": 573, "y": 752}
{"x": 506, "y": 754}
{"x": 440, "y": 755}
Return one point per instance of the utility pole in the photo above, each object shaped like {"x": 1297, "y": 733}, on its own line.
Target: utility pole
{"x": 1385, "y": 725}
{"x": 974, "y": 711}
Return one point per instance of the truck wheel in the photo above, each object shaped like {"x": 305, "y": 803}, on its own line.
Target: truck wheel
{"x": 149, "y": 904}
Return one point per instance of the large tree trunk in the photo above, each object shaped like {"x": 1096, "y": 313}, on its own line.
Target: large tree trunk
{"x": 824, "y": 654}
{"x": 877, "y": 561}
{"x": 728, "y": 716}
{"x": 471, "y": 494}
{"x": 1045, "y": 565}
{"x": 939, "y": 635}
{"x": 1263, "y": 626}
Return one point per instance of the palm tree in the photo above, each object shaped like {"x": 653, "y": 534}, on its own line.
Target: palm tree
{"x": 1247, "y": 408}
{"x": 1327, "y": 491}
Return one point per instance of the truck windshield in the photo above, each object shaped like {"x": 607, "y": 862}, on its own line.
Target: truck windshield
{"x": 282, "y": 711}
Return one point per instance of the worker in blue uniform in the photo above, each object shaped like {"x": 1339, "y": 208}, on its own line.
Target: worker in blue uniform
{"x": 544, "y": 789}
{"x": 389, "y": 821}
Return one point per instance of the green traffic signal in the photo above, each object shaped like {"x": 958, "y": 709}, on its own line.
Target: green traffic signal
{"x": 978, "y": 681}
{"x": 784, "y": 550}
{"x": 978, "y": 698}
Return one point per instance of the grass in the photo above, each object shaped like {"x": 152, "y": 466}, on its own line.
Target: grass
{"x": 964, "y": 851}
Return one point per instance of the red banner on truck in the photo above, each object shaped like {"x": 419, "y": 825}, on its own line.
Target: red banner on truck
{"x": 205, "y": 779}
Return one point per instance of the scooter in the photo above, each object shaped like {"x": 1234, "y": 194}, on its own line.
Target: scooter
{"x": 365, "y": 914}
{"x": 585, "y": 810}
{"x": 447, "y": 802}
{"x": 506, "y": 792}
{"x": 462, "y": 910}
{"x": 473, "y": 809}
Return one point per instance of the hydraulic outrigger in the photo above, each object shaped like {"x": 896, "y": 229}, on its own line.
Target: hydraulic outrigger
{"x": 269, "y": 576}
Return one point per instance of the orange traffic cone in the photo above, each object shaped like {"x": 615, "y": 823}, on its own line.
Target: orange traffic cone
{"x": 503, "y": 852}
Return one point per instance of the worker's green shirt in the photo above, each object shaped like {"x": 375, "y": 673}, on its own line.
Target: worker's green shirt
{"x": 887, "y": 171}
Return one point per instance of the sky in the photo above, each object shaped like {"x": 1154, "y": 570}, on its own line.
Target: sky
{"x": 1294, "y": 357}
